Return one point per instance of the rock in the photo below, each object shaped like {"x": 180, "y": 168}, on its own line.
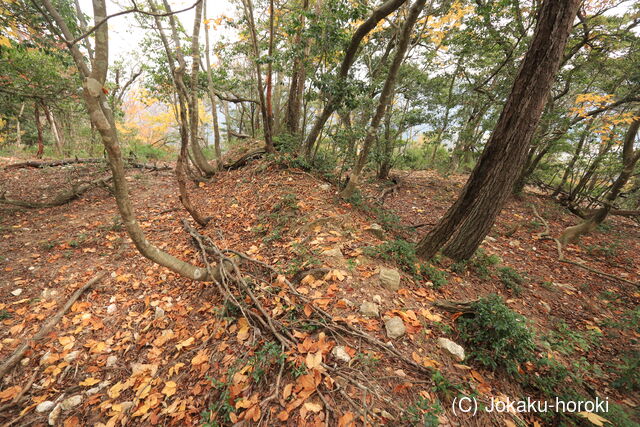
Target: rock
{"x": 97, "y": 388}
{"x": 44, "y": 360}
{"x": 72, "y": 356}
{"x": 325, "y": 187}
{"x": 390, "y": 278}
{"x": 456, "y": 350}
{"x": 348, "y": 302}
{"x": 400, "y": 373}
{"x": 112, "y": 308}
{"x": 565, "y": 286}
{"x": 71, "y": 402}
{"x": 369, "y": 309}
{"x": 395, "y": 327}
{"x": 340, "y": 353}
{"x": 17, "y": 292}
{"x": 490, "y": 239}
{"x": 333, "y": 253}
{"x": 48, "y": 294}
{"x": 376, "y": 230}
{"x": 546, "y": 307}
{"x": 377, "y": 299}
{"x": 387, "y": 415}
{"x": 111, "y": 361}
{"x": 514, "y": 243}
{"x": 25, "y": 361}
{"x": 53, "y": 415}
{"x": 45, "y": 406}
{"x": 159, "y": 312}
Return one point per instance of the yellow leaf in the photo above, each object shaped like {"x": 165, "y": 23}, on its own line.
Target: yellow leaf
{"x": 313, "y": 360}
{"x": 200, "y": 358}
{"x": 594, "y": 418}
{"x": 10, "y": 393}
{"x": 312, "y": 407}
{"x": 185, "y": 343}
{"x": 89, "y": 382}
{"x": 169, "y": 388}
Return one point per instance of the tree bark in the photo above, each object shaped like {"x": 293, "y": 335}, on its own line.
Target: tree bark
{"x": 333, "y": 101}
{"x": 36, "y": 113}
{"x": 18, "y": 130}
{"x": 466, "y": 223}
{"x": 296, "y": 89}
{"x": 385, "y": 97}
{"x": 212, "y": 95}
{"x": 54, "y": 130}
{"x": 572, "y": 162}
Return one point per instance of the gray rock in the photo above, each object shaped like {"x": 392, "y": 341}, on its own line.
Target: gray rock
{"x": 456, "y": 350}
{"x": 72, "y": 356}
{"x": 53, "y": 415}
{"x": 16, "y": 292}
{"x": 369, "y": 309}
{"x": 45, "y": 406}
{"x": 112, "y": 308}
{"x": 340, "y": 353}
{"x": 333, "y": 253}
{"x": 395, "y": 327}
{"x": 377, "y": 299}
{"x": 111, "y": 361}
{"x": 71, "y": 402}
{"x": 25, "y": 361}
{"x": 325, "y": 187}
{"x": 97, "y": 388}
{"x": 48, "y": 294}
{"x": 390, "y": 278}
{"x": 376, "y": 230}
{"x": 546, "y": 307}
{"x": 159, "y": 312}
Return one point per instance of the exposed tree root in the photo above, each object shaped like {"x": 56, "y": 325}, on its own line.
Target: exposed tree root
{"x": 62, "y": 198}
{"x": 546, "y": 235}
{"x": 395, "y": 187}
{"x": 244, "y": 159}
{"x": 455, "y": 306}
{"x": 47, "y": 327}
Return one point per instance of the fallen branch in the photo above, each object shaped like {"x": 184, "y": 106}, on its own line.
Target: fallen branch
{"x": 62, "y": 198}
{"x": 243, "y": 160}
{"x": 389, "y": 190}
{"x": 65, "y": 162}
{"x": 47, "y": 327}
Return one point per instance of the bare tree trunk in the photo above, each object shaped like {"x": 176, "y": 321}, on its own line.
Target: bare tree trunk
{"x": 572, "y": 162}
{"x": 386, "y": 9}
{"x": 36, "y": 113}
{"x": 265, "y": 104}
{"x": 296, "y": 89}
{"x": 18, "y": 130}
{"x": 102, "y": 117}
{"x": 212, "y": 96}
{"x": 54, "y": 130}
{"x": 385, "y": 97}
{"x": 584, "y": 180}
{"x": 629, "y": 160}
{"x": 227, "y": 121}
{"x": 468, "y": 221}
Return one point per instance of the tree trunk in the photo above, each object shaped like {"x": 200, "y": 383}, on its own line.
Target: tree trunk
{"x": 629, "y": 160}
{"x": 212, "y": 95}
{"x": 386, "y": 9}
{"x": 296, "y": 89}
{"x": 102, "y": 117}
{"x": 584, "y": 180}
{"x": 18, "y": 130}
{"x": 572, "y": 162}
{"x": 36, "y": 112}
{"x": 54, "y": 130}
{"x": 265, "y": 104}
{"x": 464, "y": 226}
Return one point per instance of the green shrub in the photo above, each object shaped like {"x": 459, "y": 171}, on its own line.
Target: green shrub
{"x": 511, "y": 279}
{"x": 399, "y": 251}
{"x": 496, "y": 335}
{"x": 481, "y": 262}
{"x": 629, "y": 372}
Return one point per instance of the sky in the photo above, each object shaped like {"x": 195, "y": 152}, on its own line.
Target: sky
{"x": 125, "y": 35}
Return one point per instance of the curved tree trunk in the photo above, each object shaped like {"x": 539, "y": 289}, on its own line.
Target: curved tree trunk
{"x": 102, "y": 117}
{"x": 572, "y": 162}
{"x": 467, "y": 222}
{"x": 629, "y": 160}
{"x": 385, "y": 97}
{"x": 386, "y": 9}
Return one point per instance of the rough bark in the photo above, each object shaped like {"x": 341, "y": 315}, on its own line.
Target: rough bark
{"x": 464, "y": 226}
{"x": 386, "y": 9}
{"x": 572, "y": 162}
{"x": 212, "y": 95}
{"x": 36, "y": 113}
{"x": 385, "y": 97}
{"x": 296, "y": 89}
{"x": 54, "y": 130}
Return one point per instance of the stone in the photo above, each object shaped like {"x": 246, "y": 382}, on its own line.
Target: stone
{"x": 159, "y": 312}
{"x": 45, "y": 406}
{"x": 16, "y": 292}
{"x": 97, "y": 388}
{"x": 377, "y": 299}
{"x": 490, "y": 239}
{"x": 53, "y": 415}
{"x": 390, "y": 278}
{"x": 395, "y": 327}
{"x": 112, "y": 308}
{"x": 369, "y": 309}
{"x": 72, "y": 356}
{"x": 48, "y": 294}
{"x": 333, "y": 253}
{"x": 376, "y": 230}
{"x": 111, "y": 361}
{"x": 566, "y": 286}
{"x": 325, "y": 187}
{"x": 25, "y": 361}
{"x": 340, "y": 353}
{"x": 546, "y": 307}
{"x": 71, "y": 402}
{"x": 455, "y": 349}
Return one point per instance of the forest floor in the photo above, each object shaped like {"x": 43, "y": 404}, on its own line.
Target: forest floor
{"x": 144, "y": 346}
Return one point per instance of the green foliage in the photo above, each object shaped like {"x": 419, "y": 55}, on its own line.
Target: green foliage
{"x": 423, "y": 412}
{"x": 511, "y": 279}
{"x": 4, "y": 314}
{"x": 304, "y": 258}
{"x": 497, "y": 336}
{"x": 482, "y": 262}
{"x": 567, "y": 340}
{"x": 146, "y": 152}
{"x": 629, "y": 372}
{"x": 387, "y": 219}
{"x": 399, "y": 251}
{"x": 437, "y": 276}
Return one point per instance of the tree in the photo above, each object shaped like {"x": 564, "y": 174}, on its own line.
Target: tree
{"x": 466, "y": 223}
{"x": 385, "y": 97}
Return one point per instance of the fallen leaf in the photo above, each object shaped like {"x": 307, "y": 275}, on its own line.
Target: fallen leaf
{"x": 595, "y": 419}
{"x": 89, "y": 382}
